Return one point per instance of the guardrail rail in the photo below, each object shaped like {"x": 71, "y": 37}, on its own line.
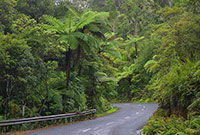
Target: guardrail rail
{"x": 47, "y": 118}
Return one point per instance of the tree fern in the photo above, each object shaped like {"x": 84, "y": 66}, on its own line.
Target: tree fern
{"x": 90, "y": 17}
{"x": 110, "y": 45}
{"x": 103, "y": 77}
{"x": 54, "y": 24}
{"x": 131, "y": 41}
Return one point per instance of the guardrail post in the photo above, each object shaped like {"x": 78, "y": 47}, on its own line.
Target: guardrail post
{"x": 6, "y": 125}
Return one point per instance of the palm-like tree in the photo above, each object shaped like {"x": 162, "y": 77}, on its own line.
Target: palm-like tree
{"x": 130, "y": 42}
{"x": 79, "y": 31}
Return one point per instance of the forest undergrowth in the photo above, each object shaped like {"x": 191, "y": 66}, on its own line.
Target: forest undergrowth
{"x": 63, "y": 56}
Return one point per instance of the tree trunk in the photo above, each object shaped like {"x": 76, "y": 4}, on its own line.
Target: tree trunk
{"x": 136, "y": 50}
{"x": 23, "y": 110}
{"x": 8, "y": 99}
{"x": 9, "y": 87}
{"x": 76, "y": 63}
{"x": 113, "y": 25}
{"x": 170, "y": 3}
{"x": 47, "y": 94}
{"x": 68, "y": 67}
{"x": 129, "y": 90}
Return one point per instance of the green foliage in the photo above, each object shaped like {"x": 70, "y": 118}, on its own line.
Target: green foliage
{"x": 7, "y": 11}
{"x": 36, "y": 8}
{"x": 171, "y": 126}
{"x": 175, "y": 68}
{"x": 110, "y": 46}
{"x": 108, "y": 112}
{"x": 152, "y": 54}
{"x": 176, "y": 63}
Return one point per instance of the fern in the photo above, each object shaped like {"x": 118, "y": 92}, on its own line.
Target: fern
{"x": 93, "y": 27}
{"x": 151, "y": 66}
{"x": 90, "y": 17}
{"x": 73, "y": 11}
{"x": 55, "y": 24}
{"x": 102, "y": 77}
{"x": 131, "y": 41}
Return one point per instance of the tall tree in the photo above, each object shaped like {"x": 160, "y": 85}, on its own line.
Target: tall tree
{"x": 36, "y": 8}
{"x": 7, "y": 14}
{"x": 72, "y": 32}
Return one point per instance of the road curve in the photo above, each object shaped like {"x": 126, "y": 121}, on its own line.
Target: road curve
{"x": 127, "y": 121}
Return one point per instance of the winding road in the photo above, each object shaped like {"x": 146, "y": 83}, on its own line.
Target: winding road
{"x": 127, "y": 121}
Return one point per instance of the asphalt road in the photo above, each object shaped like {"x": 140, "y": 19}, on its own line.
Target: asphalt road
{"x": 127, "y": 121}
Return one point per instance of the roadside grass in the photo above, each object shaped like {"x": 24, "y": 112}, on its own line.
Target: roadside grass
{"x": 114, "y": 109}
{"x": 161, "y": 124}
{"x": 144, "y": 101}
{"x": 148, "y": 100}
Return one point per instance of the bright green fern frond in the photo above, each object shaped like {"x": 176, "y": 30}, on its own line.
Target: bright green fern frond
{"x": 89, "y": 17}
{"x": 93, "y": 41}
{"x": 93, "y": 27}
{"x": 152, "y": 66}
{"x": 80, "y": 35}
{"x": 101, "y": 16}
{"x": 86, "y": 19}
{"x": 113, "y": 52}
{"x": 73, "y": 11}
{"x": 103, "y": 77}
{"x": 50, "y": 28}
{"x": 73, "y": 42}
{"x": 97, "y": 74}
{"x": 57, "y": 24}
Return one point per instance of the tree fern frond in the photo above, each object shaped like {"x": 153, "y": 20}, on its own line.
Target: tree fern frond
{"x": 85, "y": 47}
{"x": 93, "y": 27}
{"x": 98, "y": 35}
{"x": 103, "y": 77}
{"x": 73, "y": 11}
{"x": 151, "y": 66}
{"x": 64, "y": 37}
{"x": 54, "y": 22}
{"x": 105, "y": 29}
{"x": 113, "y": 52}
{"x": 93, "y": 41}
{"x": 109, "y": 35}
{"x": 69, "y": 24}
{"x": 90, "y": 17}
{"x": 97, "y": 74}
{"x": 85, "y": 19}
{"x": 111, "y": 49}
{"x": 102, "y": 16}
{"x": 81, "y": 36}
{"x": 50, "y": 28}
{"x": 73, "y": 42}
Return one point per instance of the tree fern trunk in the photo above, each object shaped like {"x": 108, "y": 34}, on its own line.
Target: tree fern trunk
{"x": 136, "y": 50}
{"x": 129, "y": 90}
{"x": 76, "y": 63}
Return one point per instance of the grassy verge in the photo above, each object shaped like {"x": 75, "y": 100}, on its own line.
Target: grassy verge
{"x": 135, "y": 101}
{"x": 114, "y": 109}
{"x": 160, "y": 124}
{"x": 144, "y": 101}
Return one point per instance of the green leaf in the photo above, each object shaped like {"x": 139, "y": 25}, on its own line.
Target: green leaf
{"x": 73, "y": 42}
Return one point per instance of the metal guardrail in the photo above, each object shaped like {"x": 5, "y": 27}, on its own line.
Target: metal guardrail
{"x": 46, "y": 118}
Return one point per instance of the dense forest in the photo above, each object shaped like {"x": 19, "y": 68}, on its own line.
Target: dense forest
{"x": 59, "y": 56}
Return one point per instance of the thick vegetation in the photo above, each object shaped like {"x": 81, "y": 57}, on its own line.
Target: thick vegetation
{"x": 50, "y": 62}
{"x": 63, "y": 56}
